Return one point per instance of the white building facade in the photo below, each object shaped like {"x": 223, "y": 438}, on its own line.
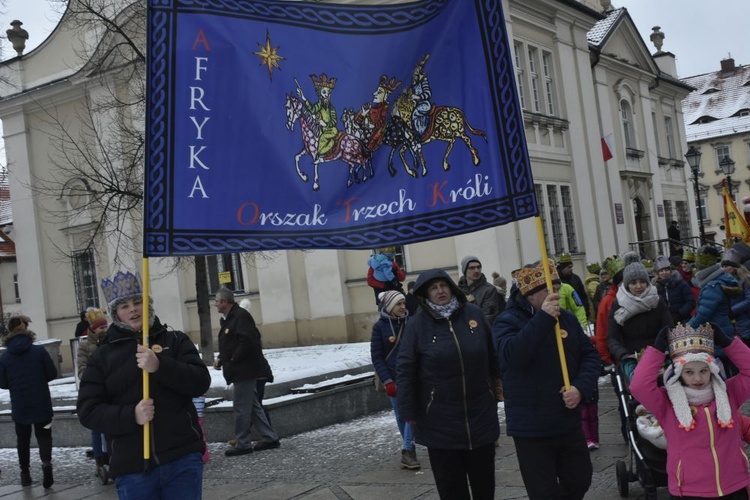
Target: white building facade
{"x": 583, "y": 75}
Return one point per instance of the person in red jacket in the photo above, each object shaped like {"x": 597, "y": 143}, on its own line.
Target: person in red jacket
{"x": 384, "y": 273}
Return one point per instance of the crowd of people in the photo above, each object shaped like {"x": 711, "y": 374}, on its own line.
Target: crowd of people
{"x": 445, "y": 353}
{"x": 465, "y": 347}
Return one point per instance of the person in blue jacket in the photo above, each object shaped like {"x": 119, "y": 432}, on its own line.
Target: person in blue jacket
{"x": 447, "y": 380}
{"x": 717, "y": 288}
{"x": 542, "y": 416}
{"x": 26, "y": 370}
{"x": 384, "y": 343}
{"x": 674, "y": 290}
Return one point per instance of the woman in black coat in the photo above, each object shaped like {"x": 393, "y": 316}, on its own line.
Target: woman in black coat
{"x": 446, "y": 379}
{"x": 636, "y": 318}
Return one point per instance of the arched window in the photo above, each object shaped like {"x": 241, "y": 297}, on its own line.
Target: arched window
{"x": 626, "y": 114}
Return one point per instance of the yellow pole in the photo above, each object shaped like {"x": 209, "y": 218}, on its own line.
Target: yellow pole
{"x": 147, "y": 425}
{"x": 548, "y": 279}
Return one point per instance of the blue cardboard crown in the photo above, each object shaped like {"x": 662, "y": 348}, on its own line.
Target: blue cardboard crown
{"x": 122, "y": 286}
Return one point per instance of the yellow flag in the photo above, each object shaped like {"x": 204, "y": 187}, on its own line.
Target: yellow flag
{"x": 735, "y": 223}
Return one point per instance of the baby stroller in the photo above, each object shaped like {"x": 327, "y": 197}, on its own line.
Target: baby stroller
{"x": 648, "y": 463}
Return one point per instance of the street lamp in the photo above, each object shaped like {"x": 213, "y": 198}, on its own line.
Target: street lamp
{"x": 694, "y": 160}
{"x": 727, "y": 166}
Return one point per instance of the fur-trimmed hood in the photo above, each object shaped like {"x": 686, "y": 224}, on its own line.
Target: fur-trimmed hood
{"x": 25, "y": 338}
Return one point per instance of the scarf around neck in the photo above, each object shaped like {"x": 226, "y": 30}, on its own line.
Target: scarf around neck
{"x": 630, "y": 305}
{"x": 446, "y": 310}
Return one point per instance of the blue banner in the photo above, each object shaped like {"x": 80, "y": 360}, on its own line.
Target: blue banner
{"x": 289, "y": 125}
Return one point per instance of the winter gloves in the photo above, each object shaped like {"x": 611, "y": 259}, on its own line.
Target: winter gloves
{"x": 660, "y": 343}
{"x": 390, "y": 389}
{"x": 721, "y": 339}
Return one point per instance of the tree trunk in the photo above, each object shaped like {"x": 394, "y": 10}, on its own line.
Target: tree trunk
{"x": 204, "y": 310}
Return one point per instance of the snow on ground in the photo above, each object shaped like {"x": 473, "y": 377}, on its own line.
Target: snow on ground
{"x": 291, "y": 363}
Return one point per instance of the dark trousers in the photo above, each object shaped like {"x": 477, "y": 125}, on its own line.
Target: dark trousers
{"x": 556, "y": 467}
{"x": 456, "y": 471}
{"x": 23, "y": 443}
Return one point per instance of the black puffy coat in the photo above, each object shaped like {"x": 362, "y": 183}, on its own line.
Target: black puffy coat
{"x": 111, "y": 387}
{"x": 240, "y": 348}
{"x": 446, "y": 374}
{"x": 26, "y": 369}
{"x": 531, "y": 370}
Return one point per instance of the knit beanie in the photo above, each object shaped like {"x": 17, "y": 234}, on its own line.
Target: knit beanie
{"x": 634, "y": 271}
{"x": 466, "y": 261}
{"x": 730, "y": 257}
{"x": 388, "y": 299}
{"x": 661, "y": 262}
{"x": 629, "y": 258}
{"x": 685, "y": 345}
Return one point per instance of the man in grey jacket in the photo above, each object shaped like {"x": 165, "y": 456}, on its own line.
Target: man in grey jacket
{"x": 478, "y": 291}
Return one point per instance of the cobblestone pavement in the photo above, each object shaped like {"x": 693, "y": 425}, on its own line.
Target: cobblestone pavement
{"x": 354, "y": 460}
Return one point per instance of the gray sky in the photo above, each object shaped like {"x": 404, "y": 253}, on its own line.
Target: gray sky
{"x": 699, "y": 32}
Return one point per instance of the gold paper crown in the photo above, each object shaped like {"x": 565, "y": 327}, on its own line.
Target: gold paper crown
{"x": 684, "y": 340}
{"x": 95, "y": 315}
{"x": 531, "y": 279}
{"x": 323, "y": 81}
{"x": 124, "y": 285}
{"x": 593, "y": 267}
{"x": 613, "y": 265}
{"x": 566, "y": 258}
{"x": 389, "y": 85}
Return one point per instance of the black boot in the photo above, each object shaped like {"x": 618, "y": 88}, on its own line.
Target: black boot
{"x": 47, "y": 480}
{"x": 25, "y": 477}
{"x": 102, "y": 470}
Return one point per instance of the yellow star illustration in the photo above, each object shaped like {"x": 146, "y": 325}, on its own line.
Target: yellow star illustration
{"x": 269, "y": 56}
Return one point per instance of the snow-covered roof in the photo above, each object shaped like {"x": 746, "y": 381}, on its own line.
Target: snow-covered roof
{"x": 598, "y": 34}
{"x": 718, "y": 102}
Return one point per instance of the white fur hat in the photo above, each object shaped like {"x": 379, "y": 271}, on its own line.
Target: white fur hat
{"x": 687, "y": 344}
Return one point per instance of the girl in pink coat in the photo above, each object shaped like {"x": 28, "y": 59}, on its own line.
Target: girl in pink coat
{"x": 698, "y": 410}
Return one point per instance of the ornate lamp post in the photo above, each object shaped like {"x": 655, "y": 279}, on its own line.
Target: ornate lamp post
{"x": 694, "y": 160}
{"x": 727, "y": 166}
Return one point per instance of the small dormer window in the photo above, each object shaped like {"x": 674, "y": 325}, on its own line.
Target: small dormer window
{"x": 704, "y": 119}
{"x": 743, "y": 112}
{"x": 710, "y": 90}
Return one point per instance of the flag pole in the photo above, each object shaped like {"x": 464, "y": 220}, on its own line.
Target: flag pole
{"x": 548, "y": 279}
{"x": 146, "y": 392}
{"x": 727, "y": 224}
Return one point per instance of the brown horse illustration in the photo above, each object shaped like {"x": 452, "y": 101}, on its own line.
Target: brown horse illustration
{"x": 446, "y": 123}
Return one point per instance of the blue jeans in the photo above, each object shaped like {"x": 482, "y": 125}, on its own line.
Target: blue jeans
{"x": 403, "y": 427}
{"x": 97, "y": 444}
{"x": 182, "y": 478}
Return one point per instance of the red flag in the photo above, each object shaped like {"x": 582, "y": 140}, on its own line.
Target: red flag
{"x": 606, "y": 148}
